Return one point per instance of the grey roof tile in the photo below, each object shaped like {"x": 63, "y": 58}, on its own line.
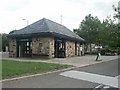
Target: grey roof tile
{"x": 45, "y": 25}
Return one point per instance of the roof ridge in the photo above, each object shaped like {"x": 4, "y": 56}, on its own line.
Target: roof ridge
{"x": 55, "y": 22}
{"x": 46, "y": 26}
{"x": 44, "y": 19}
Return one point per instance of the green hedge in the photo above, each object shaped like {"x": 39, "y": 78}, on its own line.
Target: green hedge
{"x": 110, "y": 50}
{"x": 118, "y": 50}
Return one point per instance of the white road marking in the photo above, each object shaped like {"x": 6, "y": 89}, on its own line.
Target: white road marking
{"x": 99, "y": 86}
{"x": 101, "y": 79}
{"x": 106, "y": 87}
{"x": 118, "y": 77}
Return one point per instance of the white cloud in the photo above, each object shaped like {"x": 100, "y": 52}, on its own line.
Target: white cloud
{"x": 73, "y": 11}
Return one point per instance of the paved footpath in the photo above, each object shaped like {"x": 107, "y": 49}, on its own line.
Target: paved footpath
{"x": 75, "y": 61}
{"x": 83, "y": 60}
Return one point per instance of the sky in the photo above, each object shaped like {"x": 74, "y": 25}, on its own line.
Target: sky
{"x": 15, "y": 13}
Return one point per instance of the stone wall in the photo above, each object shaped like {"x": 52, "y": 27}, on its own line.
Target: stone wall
{"x": 43, "y": 46}
{"x": 51, "y": 50}
{"x": 83, "y": 49}
{"x": 78, "y": 49}
{"x": 70, "y": 48}
{"x": 12, "y": 48}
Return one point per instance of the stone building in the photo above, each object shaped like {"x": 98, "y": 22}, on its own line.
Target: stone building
{"x": 46, "y": 39}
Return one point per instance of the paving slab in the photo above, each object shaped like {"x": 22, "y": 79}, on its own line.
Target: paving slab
{"x": 83, "y": 60}
{"x": 78, "y": 61}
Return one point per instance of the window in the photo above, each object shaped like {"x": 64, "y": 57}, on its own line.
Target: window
{"x": 27, "y": 48}
{"x": 27, "y": 43}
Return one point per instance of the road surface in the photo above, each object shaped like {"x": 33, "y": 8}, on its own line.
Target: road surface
{"x": 59, "y": 80}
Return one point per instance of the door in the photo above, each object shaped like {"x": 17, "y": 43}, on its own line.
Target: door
{"x": 75, "y": 48}
{"x": 59, "y": 48}
{"x": 24, "y": 49}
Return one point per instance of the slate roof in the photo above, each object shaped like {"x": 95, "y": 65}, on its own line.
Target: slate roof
{"x": 46, "y": 27}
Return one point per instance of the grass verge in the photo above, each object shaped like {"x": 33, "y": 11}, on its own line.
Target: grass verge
{"x": 12, "y": 69}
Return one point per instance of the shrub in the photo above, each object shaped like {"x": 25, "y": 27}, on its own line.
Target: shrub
{"x": 118, "y": 50}
{"x": 112, "y": 51}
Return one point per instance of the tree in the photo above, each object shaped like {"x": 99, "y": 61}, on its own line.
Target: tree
{"x": 89, "y": 30}
{"x": 99, "y": 33}
{"x": 110, "y": 32}
{"x": 4, "y": 41}
{"x": 117, "y": 15}
{"x": 117, "y": 9}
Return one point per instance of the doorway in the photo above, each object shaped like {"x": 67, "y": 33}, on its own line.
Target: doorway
{"x": 59, "y": 48}
{"x": 75, "y": 48}
{"x": 24, "y": 48}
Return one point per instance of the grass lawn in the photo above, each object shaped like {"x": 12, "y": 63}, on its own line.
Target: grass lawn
{"x": 16, "y": 68}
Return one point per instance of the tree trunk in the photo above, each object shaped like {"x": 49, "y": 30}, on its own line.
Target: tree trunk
{"x": 90, "y": 49}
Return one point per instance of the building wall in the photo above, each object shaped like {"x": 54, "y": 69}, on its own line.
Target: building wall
{"x": 51, "y": 50}
{"x": 12, "y": 48}
{"x": 83, "y": 50}
{"x": 78, "y": 49}
{"x": 43, "y": 46}
{"x": 70, "y": 48}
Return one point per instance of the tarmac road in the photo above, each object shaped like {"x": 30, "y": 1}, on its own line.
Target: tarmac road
{"x": 56, "y": 80}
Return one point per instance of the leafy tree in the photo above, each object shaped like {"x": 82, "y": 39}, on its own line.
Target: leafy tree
{"x": 4, "y": 41}
{"x": 100, "y": 33}
{"x": 117, "y": 15}
{"x": 89, "y": 29}
{"x": 110, "y": 32}
{"x": 117, "y": 9}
